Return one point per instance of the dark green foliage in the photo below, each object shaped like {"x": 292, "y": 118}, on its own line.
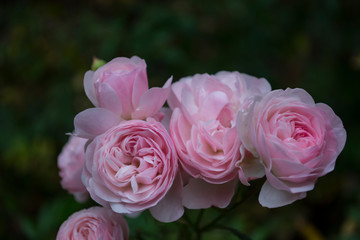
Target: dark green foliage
{"x": 46, "y": 47}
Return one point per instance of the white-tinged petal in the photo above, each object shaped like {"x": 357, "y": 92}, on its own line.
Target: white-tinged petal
{"x": 271, "y": 197}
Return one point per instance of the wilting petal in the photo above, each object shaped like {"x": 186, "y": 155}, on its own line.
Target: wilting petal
{"x": 198, "y": 194}
{"x": 94, "y": 121}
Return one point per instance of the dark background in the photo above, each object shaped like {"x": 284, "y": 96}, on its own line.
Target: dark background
{"x": 46, "y": 47}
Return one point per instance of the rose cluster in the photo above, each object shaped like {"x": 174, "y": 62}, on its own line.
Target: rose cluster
{"x": 129, "y": 153}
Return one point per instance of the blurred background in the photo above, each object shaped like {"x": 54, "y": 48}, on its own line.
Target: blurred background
{"x": 47, "y": 46}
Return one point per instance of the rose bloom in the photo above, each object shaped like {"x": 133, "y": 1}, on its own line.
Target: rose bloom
{"x": 71, "y": 162}
{"x": 203, "y": 129}
{"x": 295, "y": 140}
{"x": 93, "y": 224}
{"x": 119, "y": 91}
{"x": 132, "y": 167}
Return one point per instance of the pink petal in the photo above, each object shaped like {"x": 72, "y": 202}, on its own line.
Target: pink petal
{"x": 198, "y": 194}
{"x": 336, "y": 124}
{"x": 109, "y": 99}
{"x": 122, "y": 84}
{"x": 94, "y": 121}
{"x": 243, "y": 126}
{"x": 175, "y": 95}
{"x": 253, "y": 83}
{"x": 89, "y": 87}
{"x": 170, "y": 208}
{"x": 151, "y": 101}
{"x": 119, "y": 208}
{"x": 213, "y": 104}
{"x": 140, "y": 86}
{"x": 301, "y": 94}
{"x": 250, "y": 168}
{"x": 189, "y": 105}
{"x": 138, "y": 61}
{"x": 167, "y": 116}
{"x": 81, "y": 196}
{"x": 271, "y": 197}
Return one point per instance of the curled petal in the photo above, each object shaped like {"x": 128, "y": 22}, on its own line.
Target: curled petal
{"x": 151, "y": 101}
{"x": 94, "y": 121}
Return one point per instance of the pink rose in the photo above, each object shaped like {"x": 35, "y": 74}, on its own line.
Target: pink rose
{"x": 203, "y": 129}
{"x": 132, "y": 167}
{"x": 71, "y": 162}
{"x": 296, "y": 141}
{"x": 119, "y": 91}
{"x": 93, "y": 224}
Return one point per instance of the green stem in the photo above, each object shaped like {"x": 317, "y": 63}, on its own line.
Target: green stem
{"x": 198, "y": 219}
{"x": 197, "y": 225}
{"x": 234, "y": 231}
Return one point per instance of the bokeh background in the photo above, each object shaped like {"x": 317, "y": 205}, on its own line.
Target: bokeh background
{"x": 46, "y": 47}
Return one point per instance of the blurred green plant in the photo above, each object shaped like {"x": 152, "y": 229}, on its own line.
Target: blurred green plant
{"x": 46, "y": 47}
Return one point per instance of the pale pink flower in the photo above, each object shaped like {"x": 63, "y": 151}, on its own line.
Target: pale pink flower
{"x": 203, "y": 129}
{"x": 295, "y": 140}
{"x": 93, "y": 224}
{"x": 132, "y": 167}
{"x": 119, "y": 91}
{"x": 71, "y": 162}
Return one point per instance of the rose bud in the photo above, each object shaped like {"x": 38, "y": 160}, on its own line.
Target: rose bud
{"x": 119, "y": 91}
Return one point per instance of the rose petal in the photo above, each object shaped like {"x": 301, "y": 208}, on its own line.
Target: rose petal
{"x": 151, "y": 101}
{"x": 271, "y": 197}
{"x": 109, "y": 99}
{"x": 198, "y": 194}
{"x": 170, "y": 208}
{"x": 140, "y": 86}
{"x": 167, "y": 116}
{"x": 119, "y": 208}
{"x": 213, "y": 104}
{"x": 89, "y": 87}
{"x": 94, "y": 121}
{"x": 250, "y": 167}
